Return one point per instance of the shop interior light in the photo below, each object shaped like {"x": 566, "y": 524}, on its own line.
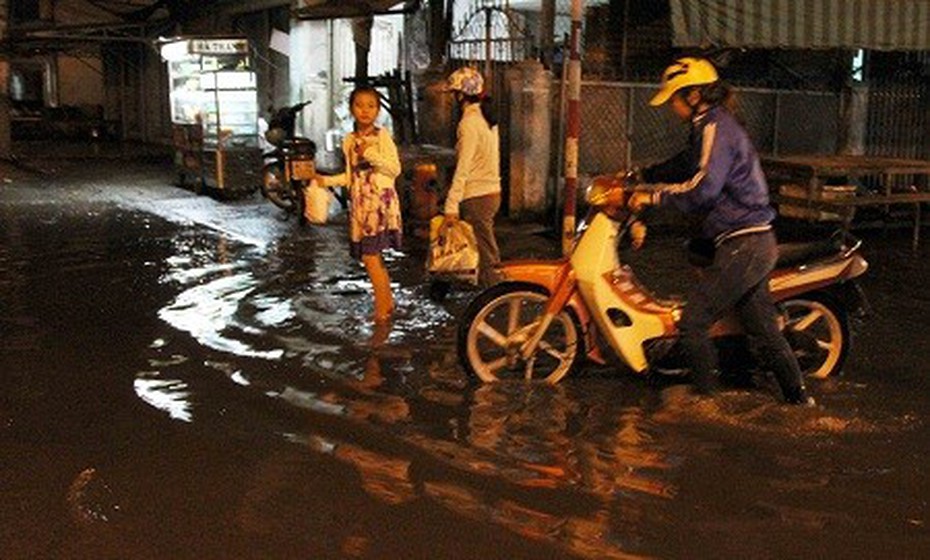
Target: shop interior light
{"x": 174, "y": 51}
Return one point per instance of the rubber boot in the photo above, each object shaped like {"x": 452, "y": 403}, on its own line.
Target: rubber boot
{"x": 705, "y": 384}
{"x": 798, "y": 396}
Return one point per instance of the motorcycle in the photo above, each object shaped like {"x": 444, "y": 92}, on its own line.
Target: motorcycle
{"x": 290, "y": 165}
{"x": 547, "y": 317}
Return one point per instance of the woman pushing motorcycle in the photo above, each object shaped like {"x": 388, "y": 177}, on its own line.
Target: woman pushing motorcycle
{"x": 719, "y": 177}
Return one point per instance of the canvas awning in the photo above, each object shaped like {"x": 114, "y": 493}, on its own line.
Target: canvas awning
{"x": 867, "y": 24}
{"x": 335, "y": 9}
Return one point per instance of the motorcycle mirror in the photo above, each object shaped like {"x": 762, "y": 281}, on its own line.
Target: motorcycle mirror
{"x": 275, "y": 136}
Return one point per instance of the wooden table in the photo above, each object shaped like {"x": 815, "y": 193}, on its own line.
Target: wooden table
{"x": 840, "y": 183}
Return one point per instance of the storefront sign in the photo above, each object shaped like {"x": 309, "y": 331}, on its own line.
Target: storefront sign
{"x": 219, "y": 46}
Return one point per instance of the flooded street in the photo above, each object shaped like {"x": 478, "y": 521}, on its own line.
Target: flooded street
{"x": 187, "y": 378}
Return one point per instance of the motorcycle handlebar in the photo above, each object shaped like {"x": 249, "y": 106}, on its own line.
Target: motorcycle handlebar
{"x": 850, "y": 242}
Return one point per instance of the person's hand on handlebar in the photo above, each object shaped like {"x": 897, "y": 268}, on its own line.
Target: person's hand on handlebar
{"x": 637, "y": 234}
{"x": 641, "y": 199}
{"x": 630, "y": 177}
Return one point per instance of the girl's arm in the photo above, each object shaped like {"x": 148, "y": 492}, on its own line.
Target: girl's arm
{"x": 384, "y": 158}
{"x": 343, "y": 179}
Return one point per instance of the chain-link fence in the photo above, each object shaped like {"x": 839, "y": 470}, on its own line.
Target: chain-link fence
{"x": 619, "y": 128}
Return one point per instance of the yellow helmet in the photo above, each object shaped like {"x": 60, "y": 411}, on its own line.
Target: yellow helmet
{"x": 684, "y": 72}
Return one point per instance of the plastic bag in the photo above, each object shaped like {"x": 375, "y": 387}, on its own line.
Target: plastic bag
{"x": 317, "y": 201}
{"x": 453, "y": 250}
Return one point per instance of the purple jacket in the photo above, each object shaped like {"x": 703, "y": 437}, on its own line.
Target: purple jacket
{"x": 718, "y": 176}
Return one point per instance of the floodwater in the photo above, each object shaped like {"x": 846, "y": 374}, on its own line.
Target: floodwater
{"x": 187, "y": 378}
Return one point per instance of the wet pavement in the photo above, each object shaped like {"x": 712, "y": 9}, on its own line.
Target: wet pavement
{"x": 188, "y": 378}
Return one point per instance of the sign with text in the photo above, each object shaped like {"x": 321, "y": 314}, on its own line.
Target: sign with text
{"x": 219, "y": 46}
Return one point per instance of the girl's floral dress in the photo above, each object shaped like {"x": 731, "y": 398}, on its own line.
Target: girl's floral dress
{"x": 374, "y": 211}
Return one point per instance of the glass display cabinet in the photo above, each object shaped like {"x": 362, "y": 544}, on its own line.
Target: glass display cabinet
{"x": 214, "y": 113}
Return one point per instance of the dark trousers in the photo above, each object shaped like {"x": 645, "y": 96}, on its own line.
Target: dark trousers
{"x": 738, "y": 280}
{"x": 479, "y": 212}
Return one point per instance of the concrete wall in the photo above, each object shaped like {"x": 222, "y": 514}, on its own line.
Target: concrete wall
{"x": 80, "y": 80}
{"x": 530, "y": 139}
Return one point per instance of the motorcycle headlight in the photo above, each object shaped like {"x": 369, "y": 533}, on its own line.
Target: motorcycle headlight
{"x": 606, "y": 191}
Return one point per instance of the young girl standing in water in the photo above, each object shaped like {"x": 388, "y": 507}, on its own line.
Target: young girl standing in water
{"x": 372, "y": 165}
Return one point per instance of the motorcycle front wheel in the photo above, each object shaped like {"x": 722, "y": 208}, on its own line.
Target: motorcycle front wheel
{"x": 817, "y": 329}
{"x": 276, "y": 188}
{"x": 497, "y": 323}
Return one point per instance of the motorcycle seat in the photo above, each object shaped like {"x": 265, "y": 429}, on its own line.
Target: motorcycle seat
{"x": 793, "y": 254}
{"x": 298, "y": 145}
{"x": 701, "y": 252}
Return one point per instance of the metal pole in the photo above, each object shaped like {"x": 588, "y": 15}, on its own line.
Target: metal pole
{"x": 560, "y": 156}
{"x": 573, "y": 129}
{"x": 487, "y": 42}
{"x": 547, "y": 32}
{"x": 6, "y": 143}
{"x": 220, "y": 156}
{"x": 626, "y": 29}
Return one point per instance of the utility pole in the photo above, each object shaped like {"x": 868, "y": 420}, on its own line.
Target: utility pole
{"x": 546, "y": 32}
{"x": 361, "y": 36}
{"x": 439, "y": 24}
{"x": 573, "y": 127}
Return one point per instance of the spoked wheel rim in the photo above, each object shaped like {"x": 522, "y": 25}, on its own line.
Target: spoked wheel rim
{"x": 275, "y": 187}
{"x": 500, "y": 329}
{"x": 816, "y": 335}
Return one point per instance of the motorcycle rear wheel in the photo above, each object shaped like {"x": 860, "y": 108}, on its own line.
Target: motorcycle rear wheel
{"x": 276, "y": 188}
{"x": 500, "y": 319}
{"x": 817, "y": 329}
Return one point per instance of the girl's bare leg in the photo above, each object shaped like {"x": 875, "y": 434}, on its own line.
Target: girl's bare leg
{"x": 381, "y": 283}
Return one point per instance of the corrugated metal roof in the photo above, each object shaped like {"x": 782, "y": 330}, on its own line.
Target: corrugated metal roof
{"x": 868, "y": 24}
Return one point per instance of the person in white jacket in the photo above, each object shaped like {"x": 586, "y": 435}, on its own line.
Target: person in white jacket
{"x": 475, "y": 193}
{"x": 372, "y": 165}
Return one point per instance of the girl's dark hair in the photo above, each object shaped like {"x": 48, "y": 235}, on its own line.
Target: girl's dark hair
{"x": 364, "y": 89}
{"x": 487, "y": 108}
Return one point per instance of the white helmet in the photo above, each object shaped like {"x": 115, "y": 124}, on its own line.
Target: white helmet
{"x": 466, "y": 80}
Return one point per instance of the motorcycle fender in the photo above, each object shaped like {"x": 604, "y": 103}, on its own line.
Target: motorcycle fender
{"x": 852, "y": 297}
{"x": 547, "y": 274}
{"x": 539, "y": 272}
{"x": 786, "y": 283}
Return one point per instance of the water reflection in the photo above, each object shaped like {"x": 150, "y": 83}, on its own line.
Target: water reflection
{"x": 590, "y": 529}
{"x": 756, "y": 412}
{"x": 554, "y": 441}
{"x": 209, "y": 313}
{"x": 598, "y": 466}
{"x": 588, "y": 466}
{"x": 168, "y": 395}
{"x": 409, "y": 433}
